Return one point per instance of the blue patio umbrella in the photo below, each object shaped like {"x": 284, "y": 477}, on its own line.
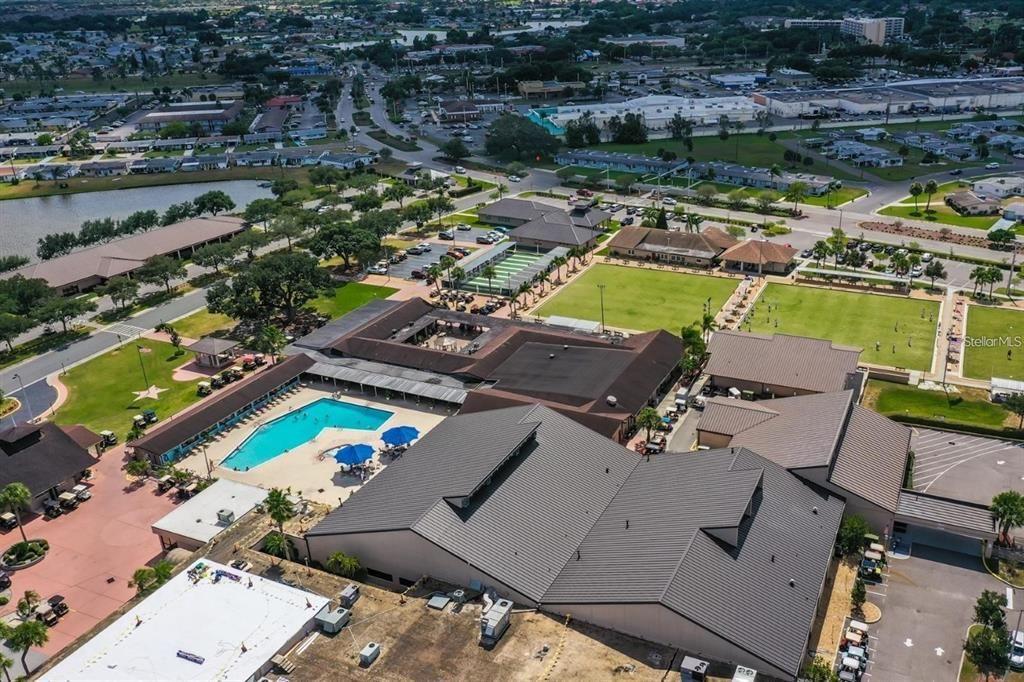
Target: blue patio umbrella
{"x": 400, "y": 435}
{"x": 350, "y": 455}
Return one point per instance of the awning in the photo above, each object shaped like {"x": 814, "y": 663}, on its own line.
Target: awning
{"x": 421, "y": 389}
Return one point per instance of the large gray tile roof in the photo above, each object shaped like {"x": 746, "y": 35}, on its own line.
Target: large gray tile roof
{"x": 715, "y": 536}
{"x": 930, "y": 510}
{"x": 792, "y": 361}
{"x": 872, "y": 458}
{"x": 529, "y": 521}
{"x": 679, "y": 507}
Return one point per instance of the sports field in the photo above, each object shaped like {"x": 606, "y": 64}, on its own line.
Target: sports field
{"x": 897, "y": 332}
{"x": 504, "y": 270}
{"x": 994, "y": 343}
{"x": 638, "y": 299}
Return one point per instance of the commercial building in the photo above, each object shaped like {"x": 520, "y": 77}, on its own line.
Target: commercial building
{"x": 630, "y": 40}
{"x": 969, "y": 203}
{"x": 619, "y": 161}
{"x": 780, "y": 365}
{"x": 760, "y": 257}
{"x": 516, "y": 212}
{"x": 722, "y": 553}
{"x": 210, "y": 116}
{"x": 700, "y": 249}
{"x": 208, "y": 622}
{"x": 85, "y": 269}
{"x": 206, "y": 515}
{"x": 459, "y": 110}
{"x": 903, "y": 98}
{"x": 826, "y": 439}
{"x": 46, "y": 458}
{"x": 171, "y": 440}
{"x": 554, "y": 229}
{"x": 545, "y": 89}
{"x": 657, "y": 111}
{"x": 599, "y": 381}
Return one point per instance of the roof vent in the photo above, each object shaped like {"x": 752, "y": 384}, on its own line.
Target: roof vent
{"x": 612, "y": 400}
{"x": 814, "y": 510}
{"x": 792, "y": 583}
{"x": 225, "y": 516}
{"x": 551, "y": 356}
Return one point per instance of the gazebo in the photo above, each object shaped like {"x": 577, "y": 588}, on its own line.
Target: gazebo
{"x": 214, "y": 352}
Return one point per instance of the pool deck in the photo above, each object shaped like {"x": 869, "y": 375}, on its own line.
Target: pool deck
{"x": 301, "y": 468}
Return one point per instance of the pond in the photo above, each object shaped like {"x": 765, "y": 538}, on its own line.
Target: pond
{"x": 24, "y": 221}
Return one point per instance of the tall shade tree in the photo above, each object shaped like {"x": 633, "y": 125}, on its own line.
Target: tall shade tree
{"x": 15, "y": 497}
{"x": 26, "y": 635}
{"x": 161, "y": 270}
{"x": 121, "y": 290}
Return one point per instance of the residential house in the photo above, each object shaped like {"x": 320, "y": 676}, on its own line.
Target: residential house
{"x": 204, "y": 162}
{"x": 103, "y": 169}
{"x": 969, "y": 203}
{"x": 348, "y": 161}
{"x": 256, "y": 159}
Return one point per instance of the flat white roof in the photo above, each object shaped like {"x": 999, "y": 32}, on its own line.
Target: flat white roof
{"x": 208, "y": 620}
{"x": 197, "y": 518}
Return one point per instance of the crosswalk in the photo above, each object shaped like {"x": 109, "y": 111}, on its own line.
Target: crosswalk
{"x": 127, "y": 331}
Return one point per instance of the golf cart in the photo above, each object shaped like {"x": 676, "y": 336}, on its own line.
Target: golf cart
{"x": 149, "y": 416}
{"x": 139, "y": 422}
{"x": 8, "y": 521}
{"x": 164, "y": 483}
{"x": 5, "y": 580}
{"x": 52, "y": 509}
{"x": 58, "y": 605}
{"x": 46, "y": 614}
{"x": 203, "y": 388}
{"x": 870, "y": 570}
{"x": 107, "y": 439}
{"x": 656, "y": 445}
{"x": 216, "y": 381}
{"x": 81, "y": 492}
{"x": 68, "y": 501}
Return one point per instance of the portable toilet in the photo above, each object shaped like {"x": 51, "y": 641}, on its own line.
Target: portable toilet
{"x": 349, "y": 596}
{"x": 693, "y": 669}
{"x": 331, "y": 621}
{"x": 369, "y": 654}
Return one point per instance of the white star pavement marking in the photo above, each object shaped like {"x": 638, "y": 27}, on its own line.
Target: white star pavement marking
{"x": 908, "y": 642}
{"x": 939, "y": 651}
{"x": 151, "y": 392}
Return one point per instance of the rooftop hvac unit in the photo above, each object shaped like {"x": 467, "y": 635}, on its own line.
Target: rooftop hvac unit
{"x": 693, "y": 669}
{"x": 744, "y": 674}
{"x": 225, "y": 517}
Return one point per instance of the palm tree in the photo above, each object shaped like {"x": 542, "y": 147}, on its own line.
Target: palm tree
{"x": 524, "y": 289}
{"x": 915, "y": 191}
{"x": 830, "y": 189}
{"x": 447, "y": 263}
{"x": 280, "y": 508}
{"x": 277, "y": 544}
{"x": 707, "y": 325}
{"x": 28, "y": 634}
{"x": 648, "y": 419}
{"x": 930, "y": 188}
{"x": 796, "y": 193}
{"x": 15, "y": 497}
{"x": 820, "y": 250}
{"x": 143, "y": 580}
{"x": 28, "y": 603}
{"x": 456, "y": 276}
{"x": 649, "y": 216}
{"x": 5, "y": 665}
{"x": 344, "y": 565}
{"x": 271, "y": 340}
{"x": 490, "y": 272}
{"x": 558, "y": 262}
{"x": 935, "y": 270}
{"x": 1007, "y": 512}
{"x": 139, "y": 468}
{"x": 978, "y": 277}
{"x": 434, "y": 273}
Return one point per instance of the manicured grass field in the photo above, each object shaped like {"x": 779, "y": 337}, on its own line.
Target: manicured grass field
{"x": 347, "y": 297}
{"x": 969, "y": 409}
{"x": 852, "y": 319}
{"x": 991, "y": 333}
{"x": 639, "y": 299}
{"x": 101, "y": 392}
{"x": 202, "y": 323}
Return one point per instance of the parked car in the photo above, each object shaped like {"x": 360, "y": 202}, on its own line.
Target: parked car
{"x": 628, "y": 220}
{"x": 514, "y": 178}
{"x": 457, "y": 255}
{"x": 460, "y": 170}
{"x": 484, "y": 239}
{"x": 447, "y": 235}
{"x": 668, "y": 201}
{"x": 378, "y": 268}
{"x": 1016, "y": 649}
{"x": 414, "y": 251}
{"x": 992, "y": 166}
{"x": 656, "y": 444}
{"x": 956, "y": 171}
{"x": 463, "y": 227}
{"x": 926, "y": 257}
{"x": 418, "y": 274}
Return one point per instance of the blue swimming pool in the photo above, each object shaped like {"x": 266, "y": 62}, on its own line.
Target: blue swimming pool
{"x": 301, "y": 426}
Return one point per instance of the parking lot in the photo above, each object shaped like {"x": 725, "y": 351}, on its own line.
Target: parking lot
{"x": 971, "y": 468}
{"x": 927, "y": 604}
{"x": 438, "y": 247}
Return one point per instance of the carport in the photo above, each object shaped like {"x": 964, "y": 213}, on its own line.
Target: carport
{"x": 945, "y": 523}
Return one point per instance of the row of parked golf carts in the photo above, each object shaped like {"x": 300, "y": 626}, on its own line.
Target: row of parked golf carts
{"x": 853, "y": 652}
{"x": 231, "y": 374}
{"x": 64, "y": 503}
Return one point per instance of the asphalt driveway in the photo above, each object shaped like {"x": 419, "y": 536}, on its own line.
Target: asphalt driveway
{"x": 927, "y": 609}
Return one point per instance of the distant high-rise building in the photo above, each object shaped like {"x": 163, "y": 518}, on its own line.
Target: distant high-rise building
{"x": 874, "y": 30}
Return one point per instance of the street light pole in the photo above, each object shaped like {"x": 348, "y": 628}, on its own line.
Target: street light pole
{"x": 600, "y": 288}
{"x": 28, "y": 406}
{"x": 142, "y": 365}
